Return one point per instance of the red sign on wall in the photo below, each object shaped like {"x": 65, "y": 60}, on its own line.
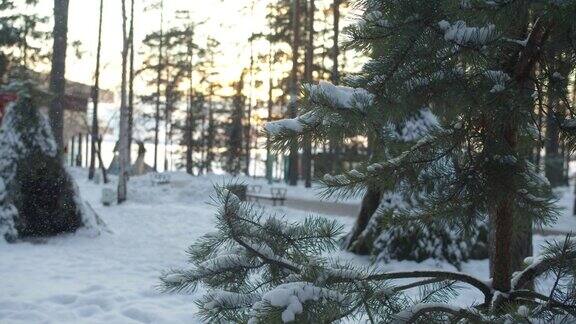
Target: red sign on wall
{"x": 5, "y": 99}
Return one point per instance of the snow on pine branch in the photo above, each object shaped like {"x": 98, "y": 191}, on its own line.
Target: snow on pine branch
{"x": 499, "y": 78}
{"x": 411, "y": 314}
{"x": 463, "y": 35}
{"x": 339, "y": 97}
{"x": 325, "y": 94}
{"x": 220, "y": 299}
{"x": 290, "y": 298}
{"x": 292, "y": 125}
{"x": 414, "y": 128}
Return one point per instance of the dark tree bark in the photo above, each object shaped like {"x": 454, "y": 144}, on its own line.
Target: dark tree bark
{"x": 354, "y": 241}
{"x": 95, "y": 98}
{"x": 553, "y": 163}
{"x": 72, "y": 151}
{"x": 335, "y": 146}
{"x": 80, "y": 149}
{"x": 307, "y": 158}
{"x": 190, "y": 109}
{"x": 131, "y": 84}
{"x": 210, "y": 138}
{"x": 123, "y": 140}
{"x": 269, "y": 164}
{"x": 335, "y": 46}
{"x": 293, "y": 109}
{"x": 504, "y": 228}
{"x": 158, "y": 83}
{"x": 235, "y": 139}
{"x": 101, "y": 162}
{"x": 248, "y": 123}
{"x": 57, "y": 74}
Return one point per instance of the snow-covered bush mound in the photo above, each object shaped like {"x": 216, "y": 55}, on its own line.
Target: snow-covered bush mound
{"x": 38, "y": 197}
{"x": 418, "y": 243}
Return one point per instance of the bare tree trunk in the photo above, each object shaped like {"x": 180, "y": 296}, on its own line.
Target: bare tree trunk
{"x": 210, "y": 137}
{"x": 102, "y": 167}
{"x": 269, "y": 164}
{"x": 72, "y": 151}
{"x": 355, "y": 242}
{"x": 504, "y": 229}
{"x": 57, "y": 74}
{"x": 553, "y": 162}
{"x": 501, "y": 224}
{"x": 248, "y": 124}
{"x": 158, "y": 83}
{"x": 190, "y": 110}
{"x": 80, "y": 149}
{"x": 123, "y": 147}
{"x": 95, "y": 97}
{"x": 293, "y": 109}
{"x": 335, "y": 46}
{"x": 309, "y": 75}
{"x": 335, "y": 146}
{"x": 131, "y": 85}
{"x": 167, "y": 113}
{"x": 236, "y": 131}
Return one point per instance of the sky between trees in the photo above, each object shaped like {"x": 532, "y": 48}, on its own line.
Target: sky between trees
{"x": 231, "y": 22}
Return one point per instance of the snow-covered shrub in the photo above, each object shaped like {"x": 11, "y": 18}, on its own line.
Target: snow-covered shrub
{"x": 417, "y": 241}
{"x": 392, "y": 234}
{"x": 37, "y": 195}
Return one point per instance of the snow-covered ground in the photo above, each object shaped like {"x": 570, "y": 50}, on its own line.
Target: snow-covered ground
{"x": 113, "y": 278}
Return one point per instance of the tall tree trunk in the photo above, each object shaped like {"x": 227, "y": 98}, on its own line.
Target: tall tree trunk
{"x": 80, "y": 149}
{"x": 203, "y": 142}
{"x": 95, "y": 97}
{"x": 553, "y": 163}
{"x": 269, "y": 161}
{"x": 167, "y": 113}
{"x": 309, "y": 75}
{"x": 190, "y": 109}
{"x": 101, "y": 162}
{"x": 336, "y": 146}
{"x": 72, "y": 151}
{"x": 248, "y": 124}
{"x": 123, "y": 147}
{"x": 131, "y": 85}
{"x": 504, "y": 228}
{"x": 355, "y": 241}
{"x": 158, "y": 83}
{"x": 292, "y": 106}
{"x": 502, "y": 222}
{"x": 57, "y": 74}
{"x": 236, "y": 132}
{"x": 210, "y": 137}
{"x": 336, "y": 46}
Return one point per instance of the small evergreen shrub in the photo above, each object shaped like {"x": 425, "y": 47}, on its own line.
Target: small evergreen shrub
{"x": 38, "y": 198}
{"x": 44, "y": 197}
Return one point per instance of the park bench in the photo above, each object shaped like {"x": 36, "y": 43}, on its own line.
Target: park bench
{"x": 277, "y": 195}
{"x": 160, "y": 178}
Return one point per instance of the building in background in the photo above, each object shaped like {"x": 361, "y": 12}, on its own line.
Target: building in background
{"x": 76, "y": 119}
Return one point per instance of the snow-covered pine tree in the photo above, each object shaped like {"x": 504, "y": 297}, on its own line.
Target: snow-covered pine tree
{"x": 38, "y": 197}
{"x": 471, "y": 63}
{"x": 473, "y": 68}
{"x": 264, "y": 269}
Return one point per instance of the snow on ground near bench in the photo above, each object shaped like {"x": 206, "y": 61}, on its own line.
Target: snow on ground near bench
{"x": 112, "y": 278}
